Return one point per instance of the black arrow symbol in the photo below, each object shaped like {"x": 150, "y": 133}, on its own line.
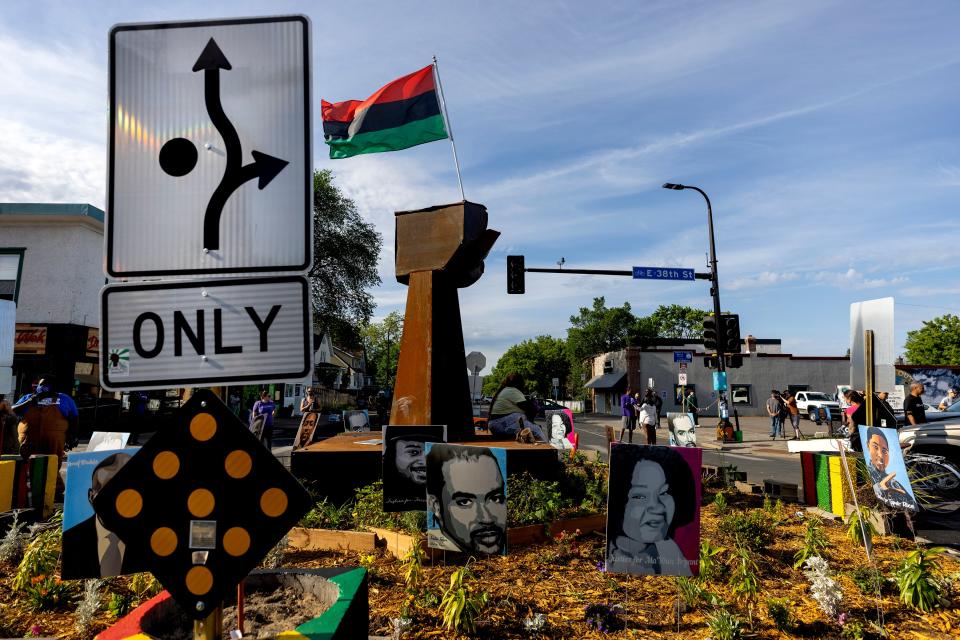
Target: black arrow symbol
{"x": 264, "y": 167}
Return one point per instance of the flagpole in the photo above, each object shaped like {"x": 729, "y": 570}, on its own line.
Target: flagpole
{"x": 446, "y": 117}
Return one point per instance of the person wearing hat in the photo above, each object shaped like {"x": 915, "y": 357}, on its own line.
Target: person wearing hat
{"x": 47, "y": 418}
{"x": 949, "y": 399}
{"x": 405, "y": 466}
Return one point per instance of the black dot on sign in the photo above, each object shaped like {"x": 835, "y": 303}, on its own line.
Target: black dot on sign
{"x": 178, "y": 157}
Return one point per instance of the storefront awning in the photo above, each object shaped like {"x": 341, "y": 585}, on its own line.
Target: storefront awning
{"x": 605, "y": 381}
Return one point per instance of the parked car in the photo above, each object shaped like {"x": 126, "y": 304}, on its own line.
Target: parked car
{"x": 950, "y": 414}
{"x": 809, "y": 402}
{"x": 933, "y": 438}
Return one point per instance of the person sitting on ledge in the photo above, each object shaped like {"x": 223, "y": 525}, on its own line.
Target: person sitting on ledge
{"x": 510, "y": 411}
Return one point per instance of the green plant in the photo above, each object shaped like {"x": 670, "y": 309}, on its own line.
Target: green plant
{"x": 744, "y": 582}
{"x": 326, "y": 515}
{"x": 531, "y": 501}
{"x": 584, "y": 485}
{"x": 860, "y": 524}
{"x": 46, "y": 592}
{"x": 720, "y": 505}
{"x": 691, "y": 593}
{"x": 368, "y": 507}
{"x": 709, "y": 567}
{"x": 120, "y": 604}
{"x": 145, "y": 585}
{"x": 853, "y": 629}
{"x": 724, "y": 625}
{"x": 413, "y": 566}
{"x": 461, "y": 604}
{"x": 918, "y": 578}
{"x": 753, "y": 529}
{"x": 814, "y": 542}
{"x": 868, "y": 579}
{"x": 42, "y": 553}
{"x": 778, "y": 609}
{"x": 411, "y": 521}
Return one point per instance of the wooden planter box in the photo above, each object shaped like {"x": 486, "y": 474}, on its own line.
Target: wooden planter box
{"x": 303, "y": 539}
{"x": 398, "y": 544}
{"x": 534, "y": 533}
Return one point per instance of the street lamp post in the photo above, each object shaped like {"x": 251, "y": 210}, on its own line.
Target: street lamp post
{"x": 714, "y": 282}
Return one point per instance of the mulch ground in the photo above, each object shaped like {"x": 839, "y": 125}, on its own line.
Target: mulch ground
{"x": 560, "y": 579}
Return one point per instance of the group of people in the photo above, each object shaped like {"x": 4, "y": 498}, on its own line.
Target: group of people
{"x": 640, "y": 410}
{"x": 782, "y": 407}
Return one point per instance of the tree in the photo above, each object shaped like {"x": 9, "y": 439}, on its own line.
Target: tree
{"x": 345, "y": 253}
{"x": 678, "y": 321}
{"x": 936, "y": 342}
{"x": 382, "y": 340}
{"x": 599, "y": 329}
{"x": 538, "y": 361}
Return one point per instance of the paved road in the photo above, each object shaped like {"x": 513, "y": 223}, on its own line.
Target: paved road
{"x": 759, "y": 457}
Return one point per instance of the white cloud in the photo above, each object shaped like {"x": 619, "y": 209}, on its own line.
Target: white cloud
{"x": 763, "y": 279}
{"x": 853, "y": 279}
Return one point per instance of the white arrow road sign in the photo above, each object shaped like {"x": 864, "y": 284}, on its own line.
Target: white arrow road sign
{"x": 210, "y": 168}
{"x": 205, "y": 332}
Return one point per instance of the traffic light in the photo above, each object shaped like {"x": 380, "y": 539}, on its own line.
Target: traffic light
{"x": 734, "y": 361}
{"x": 710, "y": 362}
{"x": 710, "y": 332}
{"x": 515, "y": 275}
{"x": 730, "y": 332}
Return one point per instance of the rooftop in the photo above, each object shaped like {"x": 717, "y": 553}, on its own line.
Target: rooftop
{"x": 50, "y": 209}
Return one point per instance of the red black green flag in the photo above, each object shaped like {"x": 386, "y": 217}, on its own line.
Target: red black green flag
{"x": 402, "y": 114}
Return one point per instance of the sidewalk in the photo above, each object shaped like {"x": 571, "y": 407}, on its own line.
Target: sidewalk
{"x": 756, "y": 433}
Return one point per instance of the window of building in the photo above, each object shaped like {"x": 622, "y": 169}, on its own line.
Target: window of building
{"x": 11, "y": 267}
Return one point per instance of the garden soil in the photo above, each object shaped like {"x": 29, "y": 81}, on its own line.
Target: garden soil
{"x": 560, "y": 579}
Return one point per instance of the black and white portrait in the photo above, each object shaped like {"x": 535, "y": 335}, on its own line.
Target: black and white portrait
{"x": 682, "y": 428}
{"x": 405, "y": 465}
{"x": 558, "y": 429}
{"x": 653, "y": 521}
{"x": 466, "y": 498}
{"x": 357, "y": 420}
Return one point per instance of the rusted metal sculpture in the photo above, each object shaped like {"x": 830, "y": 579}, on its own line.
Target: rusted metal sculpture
{"x": 438, "y": 250}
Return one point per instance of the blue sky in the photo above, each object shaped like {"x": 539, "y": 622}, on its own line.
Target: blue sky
{"x": 825, "y": 133}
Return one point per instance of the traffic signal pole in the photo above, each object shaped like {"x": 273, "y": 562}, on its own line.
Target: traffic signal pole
{"x": 714, "y": 282}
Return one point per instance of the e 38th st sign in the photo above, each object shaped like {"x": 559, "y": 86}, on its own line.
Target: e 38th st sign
{"x": 210, "y": 173}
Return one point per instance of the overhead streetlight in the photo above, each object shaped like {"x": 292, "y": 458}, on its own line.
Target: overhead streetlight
{"x": 714, "y": 282}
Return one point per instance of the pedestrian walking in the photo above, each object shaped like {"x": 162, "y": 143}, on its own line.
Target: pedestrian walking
{"x": 775, "y": 411}
{"x": 793, "y": 413}
{"x": 263, "y": 411}
{"x": 628, "y": 418}
{"x": 691, "y": 406}
{"x": 647, "y": 417}
{"x": 913, "y": 406}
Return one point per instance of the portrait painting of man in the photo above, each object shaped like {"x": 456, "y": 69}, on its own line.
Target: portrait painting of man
{"x": 356, "y": 421}
{"x": 653, "y": 510}
{"x": 405, "y": 465}
{"x": 682, "y": 429}
{"x": 90, "y": 550}
{"x": 466, "y": 498}
{"x": 308, "y": 427}
{"x": 884, "y": 458}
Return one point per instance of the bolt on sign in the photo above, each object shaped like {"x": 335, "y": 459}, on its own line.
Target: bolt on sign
{"x": 201, "y": 503}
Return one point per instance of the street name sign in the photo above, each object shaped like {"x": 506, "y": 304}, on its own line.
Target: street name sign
{"x": 210, "y": 165}
{"x": 157, "y": 335}
{"x": 663, "y": 273}
{"x": 683, "y": 356}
